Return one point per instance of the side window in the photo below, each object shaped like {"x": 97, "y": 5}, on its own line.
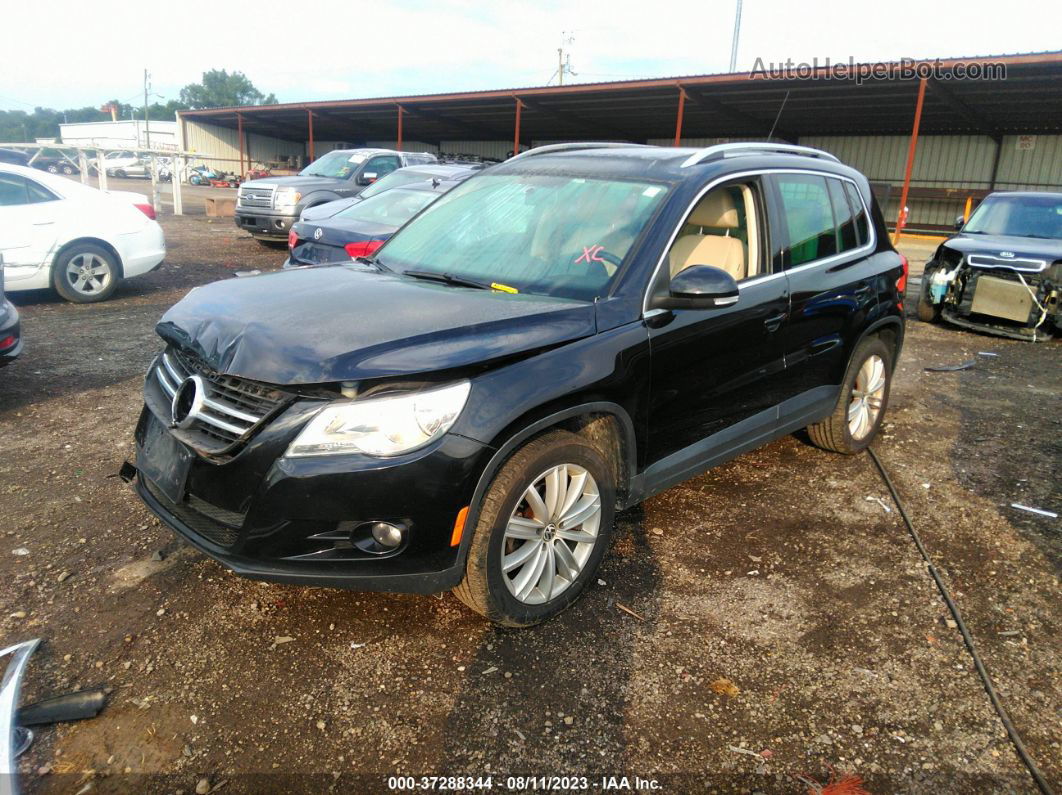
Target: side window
{"x": 862, "y": 224}
{"x": 382, "y": 165}
{"x": 842, "y": 213}
{"x": 722, "y": 230}
{"x": 12, "y": 190}
{"x": 38, "y": 193}
{"x": 808, "y": 217}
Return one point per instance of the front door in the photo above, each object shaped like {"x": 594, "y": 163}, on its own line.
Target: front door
{"x": 715, "y": 372}
{"x": 28, "y": 217}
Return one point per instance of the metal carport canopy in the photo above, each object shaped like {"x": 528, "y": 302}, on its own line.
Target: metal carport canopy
{"x": 1028, "y": 100}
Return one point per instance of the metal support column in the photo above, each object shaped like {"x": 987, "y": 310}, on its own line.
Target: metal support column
{"x": 239, "y": 137}
{"x": 516, "y": 133}
{"x": 398, "y": 145}
{"x": 901, "y": 218}
{"x": 309, "y": 121}
{"x": 678, "y": 119}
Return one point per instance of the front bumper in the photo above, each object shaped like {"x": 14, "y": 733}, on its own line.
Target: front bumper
{"x": 265, "y": 223}
{"x": 263, "y": 515}
{"x": 10, "y": 326}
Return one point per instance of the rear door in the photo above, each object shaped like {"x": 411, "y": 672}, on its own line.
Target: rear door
{"x": 29, "y": 216}
{"x": 823, "y": 223}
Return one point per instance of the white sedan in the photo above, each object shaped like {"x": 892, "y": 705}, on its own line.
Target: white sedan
{"x": 55, "y": 232}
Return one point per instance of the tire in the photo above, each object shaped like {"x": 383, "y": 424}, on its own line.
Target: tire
{"x": 119, "y": 173}
{"x": 67, "y": 169}
{"x": 927, "y": 311}
{"x": 841, "y": 433}
{"x": 103, "y": 274}
{"x": 53, "y": 169}
{"x": 495, "y": 594}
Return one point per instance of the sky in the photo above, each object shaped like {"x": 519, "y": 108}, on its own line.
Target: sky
{"x": 343, "y": 49}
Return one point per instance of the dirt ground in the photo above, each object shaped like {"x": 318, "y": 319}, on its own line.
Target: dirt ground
{"x": 781, "y": 573}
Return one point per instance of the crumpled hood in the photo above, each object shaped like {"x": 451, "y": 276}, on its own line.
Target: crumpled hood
{"x": 346, "y": 323}
{"x": 1021, "y": 247}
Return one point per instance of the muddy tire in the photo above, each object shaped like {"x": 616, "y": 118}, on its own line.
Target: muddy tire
{"x": 544, "y": 525}
{"x": 86, "y": 273}
{"x": 862, "y": 403}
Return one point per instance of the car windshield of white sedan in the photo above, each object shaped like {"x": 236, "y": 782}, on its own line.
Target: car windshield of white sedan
{"x": 551, "y": 235}
{"x": 1021, "y": 216}
{"x": 394, "y": 207}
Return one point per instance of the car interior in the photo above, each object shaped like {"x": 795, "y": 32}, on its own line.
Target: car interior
{"x": 721, "y": 230}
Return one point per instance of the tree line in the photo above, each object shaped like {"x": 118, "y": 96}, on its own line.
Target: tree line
{"x": 218, "y": 88}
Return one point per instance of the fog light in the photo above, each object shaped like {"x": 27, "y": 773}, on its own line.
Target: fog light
{"x": 386, "y": 534}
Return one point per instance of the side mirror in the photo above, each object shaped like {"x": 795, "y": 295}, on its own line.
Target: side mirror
{"x": 699, "y": 287}
{"x": 960, "y": 222}
{"x": 367, "y": 178}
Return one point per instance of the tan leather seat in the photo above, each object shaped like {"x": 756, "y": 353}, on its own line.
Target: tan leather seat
{"x": 716, "y": 210}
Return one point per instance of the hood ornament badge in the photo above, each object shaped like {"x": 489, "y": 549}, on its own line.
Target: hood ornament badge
{"x": 187, "y": 402}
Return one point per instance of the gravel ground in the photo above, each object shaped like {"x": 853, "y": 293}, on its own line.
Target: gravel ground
{"x": 767, "y": 620}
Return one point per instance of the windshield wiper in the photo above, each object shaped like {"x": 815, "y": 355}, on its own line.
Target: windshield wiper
{"x": 447, "y": 278}
{"x": 374, "y": 262}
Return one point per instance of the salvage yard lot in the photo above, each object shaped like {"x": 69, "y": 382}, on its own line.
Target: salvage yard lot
{"x": 778, "y": 572}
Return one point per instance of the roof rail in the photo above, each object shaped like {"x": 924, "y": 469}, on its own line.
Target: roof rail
{"x": 572, "y": 147}
{"x": 720, "y": 151}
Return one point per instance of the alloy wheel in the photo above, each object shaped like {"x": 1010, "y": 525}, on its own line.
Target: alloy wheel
{"x": 868, "y": 395}
{"x": 551, "y": 534}
{"x": 88, "y": 273}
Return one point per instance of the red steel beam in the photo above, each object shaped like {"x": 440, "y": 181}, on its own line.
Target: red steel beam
{"x": 678, "y": 119}
{"x": 239, "y": 136}
{"x": 309, "y": 120}
{"x": 516, "y": 133}
{"x": 398, "y": 145}
{"x": 901, "y": 218}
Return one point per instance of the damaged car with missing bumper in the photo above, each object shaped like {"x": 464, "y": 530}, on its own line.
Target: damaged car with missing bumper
{"x": 1002, "y": 272}
{"x": 552, "y": 341}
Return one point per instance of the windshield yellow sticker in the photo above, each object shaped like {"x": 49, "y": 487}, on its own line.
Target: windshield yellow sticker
{"x": 503, "y": 287}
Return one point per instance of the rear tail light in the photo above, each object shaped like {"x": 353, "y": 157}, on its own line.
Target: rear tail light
{"x": 901, "y": 283}
{"x": 362, "y": 249}
{"x": 8, "y": 342}
{"x": 293, "y": 239}
{"x": 147, "y": 210}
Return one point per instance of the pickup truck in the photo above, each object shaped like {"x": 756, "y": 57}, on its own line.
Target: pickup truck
{"x": 268, "y": 207}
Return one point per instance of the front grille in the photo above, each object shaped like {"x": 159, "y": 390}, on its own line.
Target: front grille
{"x": 206, "y": 526}
{"x": 1009, "y": 263}
{"x": 232, "y": 408}
{"x": 256, "y": 197}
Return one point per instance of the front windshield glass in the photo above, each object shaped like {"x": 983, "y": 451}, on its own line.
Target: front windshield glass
{"x": 394, "y": 180}
{"x": 552, "y": 235}
{"x": 394, "y": 207}
{"x": 338, "y": 165}
{"x": 1022, "y": 216}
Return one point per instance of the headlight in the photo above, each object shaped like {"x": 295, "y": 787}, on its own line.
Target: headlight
{"x": 286, "y": 197}
{"x": 382, "y": 426}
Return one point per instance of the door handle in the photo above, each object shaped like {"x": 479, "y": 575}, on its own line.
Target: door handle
{"x": 43, "y": 223}
{"x": 772, "y": 323}
{"x": 863, "y": 289}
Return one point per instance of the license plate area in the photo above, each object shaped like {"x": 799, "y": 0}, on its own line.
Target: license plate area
{"x": 163, "y": 460}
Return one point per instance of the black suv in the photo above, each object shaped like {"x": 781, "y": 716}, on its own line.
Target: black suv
{"x": 555, "y": 339}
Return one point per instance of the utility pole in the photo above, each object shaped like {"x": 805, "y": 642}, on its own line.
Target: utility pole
{"x": 737, "y": 36}
{"x": 147, "y": 132}
{"x": 564, "y": 60}
{"x": 153, "y": 171}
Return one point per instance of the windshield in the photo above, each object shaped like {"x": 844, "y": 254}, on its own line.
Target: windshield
{"x": 552, "y": 235}
{"x": 338, "y": 165}
{"x": 394, "y": 208}
{"x": 393, "y": 180}
{"x": 1021, "y": 216}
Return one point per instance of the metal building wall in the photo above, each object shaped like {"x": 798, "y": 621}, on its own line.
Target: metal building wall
{"x": 219, "y": 147}
{"x": 948, "y": 161}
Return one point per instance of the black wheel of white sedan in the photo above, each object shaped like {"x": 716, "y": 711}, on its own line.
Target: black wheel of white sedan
{"x": 85, "y": 273}
{"x": 544, "y": 526}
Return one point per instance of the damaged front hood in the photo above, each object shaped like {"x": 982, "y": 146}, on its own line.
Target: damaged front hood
{"x": 347, "y": 323}
{"x": 1000, "y": 245}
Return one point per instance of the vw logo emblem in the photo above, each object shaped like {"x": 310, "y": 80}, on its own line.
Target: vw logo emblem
{"x": 317, "y": 233}
{"x": 1007, "y": 254}
{"x": 188, "y": 401}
